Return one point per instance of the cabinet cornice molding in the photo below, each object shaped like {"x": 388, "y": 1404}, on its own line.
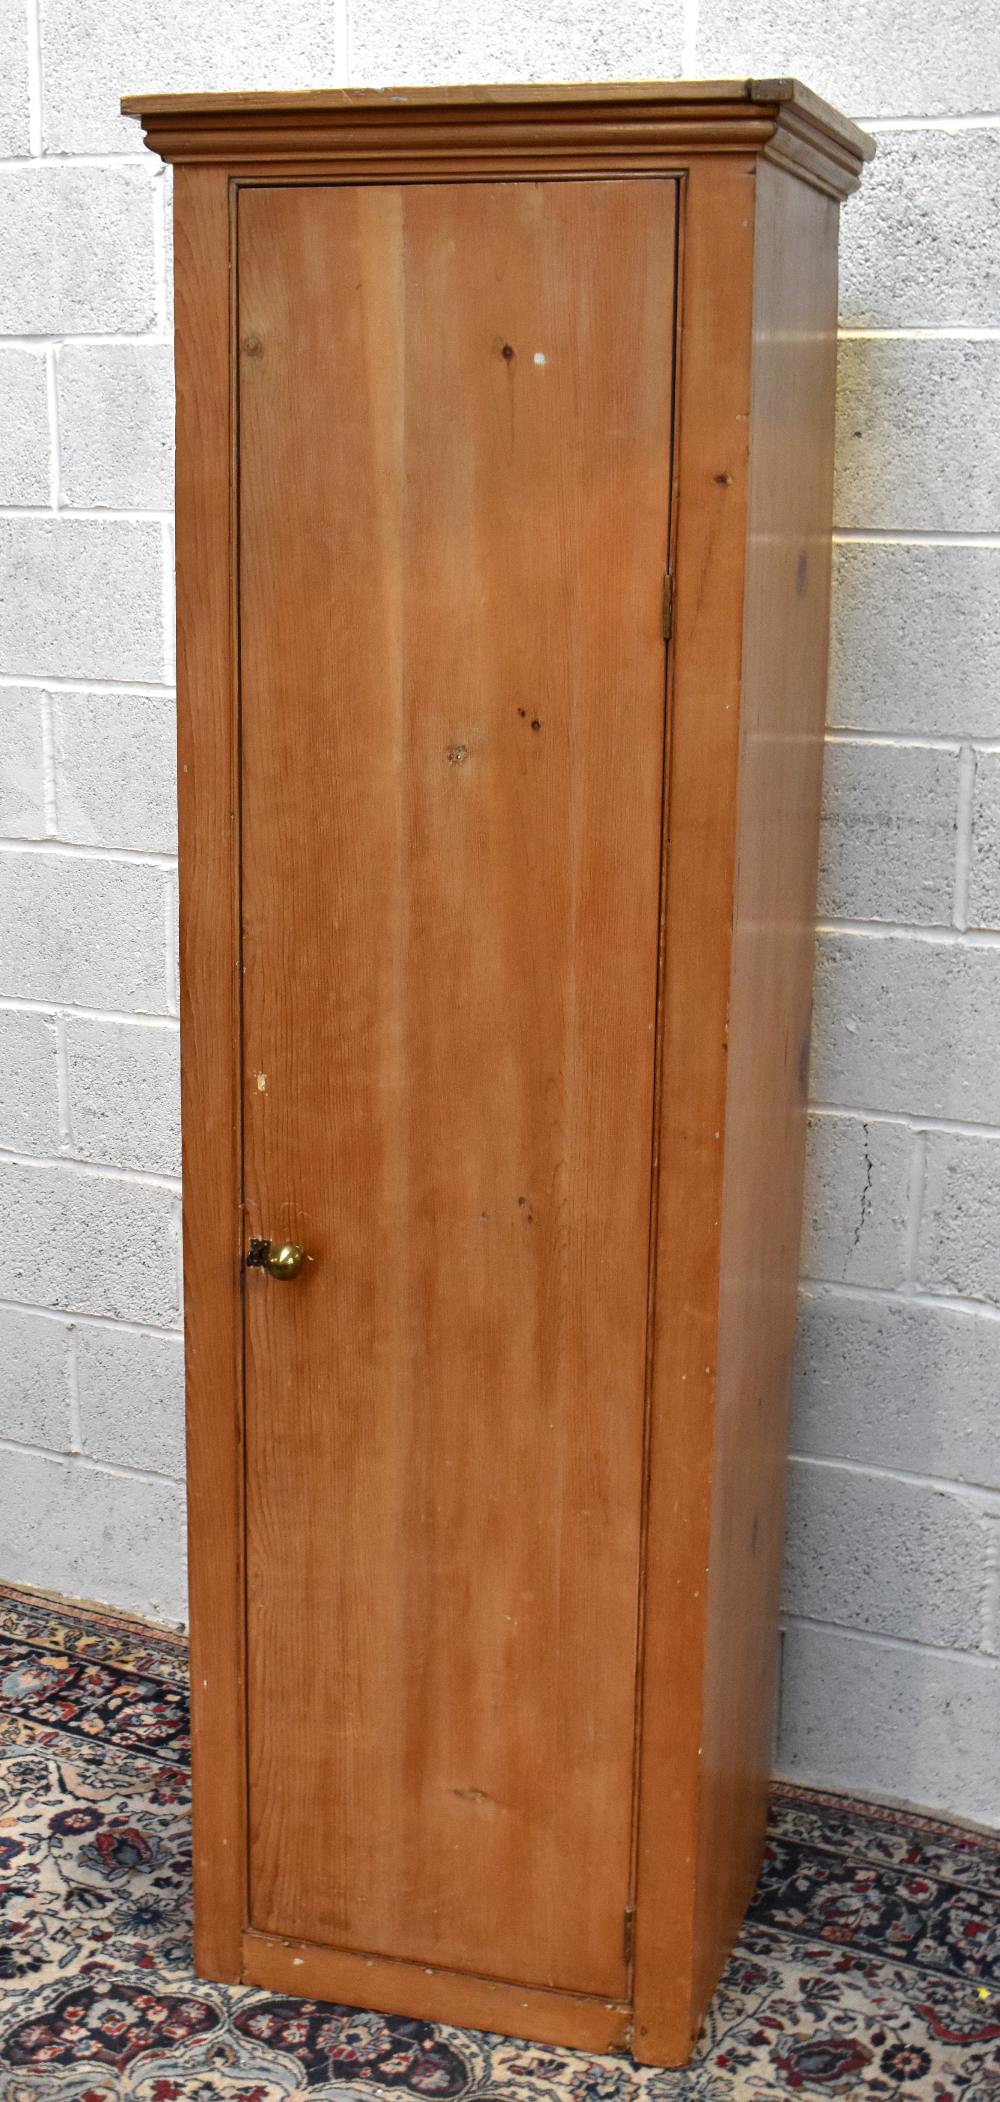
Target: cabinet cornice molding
{"x": 414, "y": 134}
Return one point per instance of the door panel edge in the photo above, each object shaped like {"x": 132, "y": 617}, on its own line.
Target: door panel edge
{"x": 209, "y": 1003}
{"x": 706, "y": 648}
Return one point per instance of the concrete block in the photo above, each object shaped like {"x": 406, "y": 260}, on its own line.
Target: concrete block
{"x": 170, "y": 603}
{"x": 173, "y": 948}
{"x": 124, "y": 1106}
{"x": 870, "y": 58}
{"x": 912, "y": 1724}
{"x": 856, "y": 1201}
{"x": 896, "y": 1385}
{"x": 116, "y": 425}
{"x": 116, "y": 769}
{"x": 918, "y": 245}
{"x": 24, "y": 428}
{"x": 29, "y": 1095}
{"x": 918, "y": 435}
{"x": 872, "y": 1043}
{"x": 959, "y": 1246}
{"x": 888, "y": 839}
{"x": 81, "y": 930}
{"x": 434, "y": 40}
{"x": 884, "y": 1556}
{"x": 131, "y": 1394}
{"x": 22, "y": 766}
{"x": 15, "y": 130}
{"x": 915, "y": 645}
{"x": 78, "y": 1530}
{"x": 82, "y": 598}
{"x": 78, "y": 250}
{"x": 991, "y": 1639}
{"x": 984, "y": 865}
{"x": 89, "y": 1243}
{"x": 92, "y": 54}
{"x": 34, "y": 1380}
{"x": 167, "y": 207}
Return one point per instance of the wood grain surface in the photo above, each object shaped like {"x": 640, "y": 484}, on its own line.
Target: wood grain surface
{"x": 714, "y": 438}
{"x": 782, "y": 714}
{"x": 208, "y": 798}
{"x": 455, "y": 409}
{"x": 752, "y": 607}
{"x": 427, "y": 1994}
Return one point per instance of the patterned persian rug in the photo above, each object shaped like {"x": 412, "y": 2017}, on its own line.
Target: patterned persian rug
{"x": 869, "y": 1966}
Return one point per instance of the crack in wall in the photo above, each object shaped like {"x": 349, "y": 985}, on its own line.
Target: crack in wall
{"x": 866, "y": 1198}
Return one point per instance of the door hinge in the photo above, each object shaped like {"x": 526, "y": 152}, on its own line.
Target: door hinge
{"x": 668, "y": 606}
{"x": 628, "y": 1933}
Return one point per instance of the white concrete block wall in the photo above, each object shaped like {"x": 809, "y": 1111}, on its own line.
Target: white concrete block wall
{"x": 891, "y": 1651}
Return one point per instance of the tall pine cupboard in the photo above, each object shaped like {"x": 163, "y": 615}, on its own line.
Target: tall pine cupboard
{"x": 504, "y": 446}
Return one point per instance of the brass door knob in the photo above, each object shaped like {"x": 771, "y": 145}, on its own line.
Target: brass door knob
{"x": 278, "y": 1258}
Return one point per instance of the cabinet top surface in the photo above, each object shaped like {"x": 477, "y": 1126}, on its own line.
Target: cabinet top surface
{"x": 635, "y": 117}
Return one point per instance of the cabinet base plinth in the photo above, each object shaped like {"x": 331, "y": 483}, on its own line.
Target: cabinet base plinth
{"x": 423, "y": 1993}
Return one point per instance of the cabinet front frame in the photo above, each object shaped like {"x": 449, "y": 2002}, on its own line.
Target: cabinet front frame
{"x": 708, "y": 521}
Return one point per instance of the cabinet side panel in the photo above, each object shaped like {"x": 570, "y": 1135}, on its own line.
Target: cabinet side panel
{"x": 209, "y": 1060}
{"x": 713, "y": 424}
{"x": 786, "y": 620}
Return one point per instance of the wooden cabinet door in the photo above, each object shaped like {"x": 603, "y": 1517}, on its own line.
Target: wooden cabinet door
{"x": 454, "y": 472}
